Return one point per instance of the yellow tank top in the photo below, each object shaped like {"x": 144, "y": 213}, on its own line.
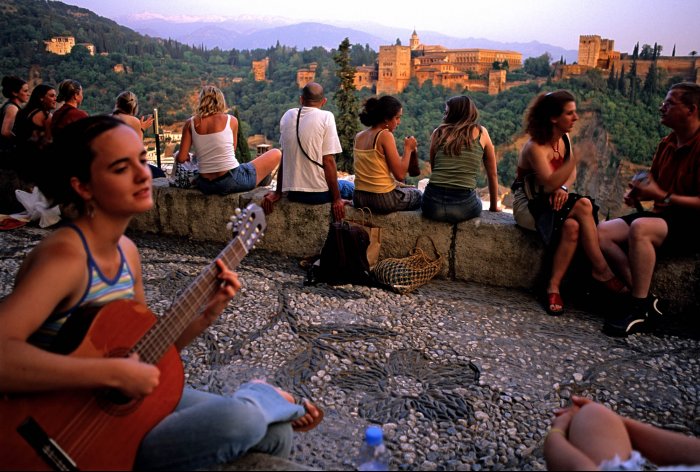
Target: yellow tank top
{"x": 372, "y": 172}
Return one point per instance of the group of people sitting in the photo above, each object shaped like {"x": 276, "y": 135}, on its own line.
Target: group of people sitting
{"x": 621, "y": 252}
{"x": 104, "y": 177}
{"x": 30, "y": 122}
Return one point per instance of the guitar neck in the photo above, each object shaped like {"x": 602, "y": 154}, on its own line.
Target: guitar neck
{"x": 247, "y": 227}
{"x": 187, "y": 306}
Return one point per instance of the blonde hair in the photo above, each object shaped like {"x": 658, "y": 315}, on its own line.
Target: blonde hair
{"x": 126, "y": 103}
{"x": 211, "y": 101}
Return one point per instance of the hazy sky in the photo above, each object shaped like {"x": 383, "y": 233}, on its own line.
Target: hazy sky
{"x": 557, "y": 22}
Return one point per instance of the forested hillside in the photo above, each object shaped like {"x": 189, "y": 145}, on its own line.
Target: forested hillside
{"x": 166, "y": 74}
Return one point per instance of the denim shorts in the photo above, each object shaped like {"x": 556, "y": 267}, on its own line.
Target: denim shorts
{"x": 240, "y": 179}
{"x": 450, "y": 205}
{"x": 345, "y": 187}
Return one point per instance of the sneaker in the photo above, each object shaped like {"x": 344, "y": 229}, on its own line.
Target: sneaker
{"x": 655, "y": 308}
{"x": 634, "y": 322}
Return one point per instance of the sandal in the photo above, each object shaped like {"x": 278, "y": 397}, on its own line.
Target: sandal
{"x": 614, "y": 285}
{"x": 315, "y": 420}
{"x": 554, "y": 299}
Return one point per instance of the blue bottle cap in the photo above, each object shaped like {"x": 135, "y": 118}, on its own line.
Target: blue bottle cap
{"x": 374, "y": 435}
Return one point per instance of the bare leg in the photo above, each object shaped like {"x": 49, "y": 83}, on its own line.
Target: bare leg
{"x": 613, "y": 236}
{"x": 646, "y": 234}
{"x": 563, "y": 256}
{"x": 599, "y": 433}
{"x": 583, "y": 213}
{"x": 266, "y": 163}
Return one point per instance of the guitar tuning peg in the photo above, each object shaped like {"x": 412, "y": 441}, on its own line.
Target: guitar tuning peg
{"x": 238, "y": 212}
{"x": 232, "y": 218}
{"x": 229, "y": 226}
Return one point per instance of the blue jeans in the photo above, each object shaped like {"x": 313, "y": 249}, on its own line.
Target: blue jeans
{"x": 345, "y": 187}
{"x": 240, "y": 179}
{"x": 207, "y": 429}
{"x": 450, "y": 205}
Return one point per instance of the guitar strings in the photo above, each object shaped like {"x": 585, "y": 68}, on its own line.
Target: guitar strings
{"x": 151, "y": 347}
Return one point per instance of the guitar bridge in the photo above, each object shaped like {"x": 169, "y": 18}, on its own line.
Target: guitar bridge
{"x": 44, "y": 446}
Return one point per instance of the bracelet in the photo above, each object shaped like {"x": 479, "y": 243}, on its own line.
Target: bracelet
{"x": 557, "y": 430}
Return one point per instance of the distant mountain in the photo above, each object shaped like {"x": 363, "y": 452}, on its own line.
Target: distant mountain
{"x": 253, "y": 33}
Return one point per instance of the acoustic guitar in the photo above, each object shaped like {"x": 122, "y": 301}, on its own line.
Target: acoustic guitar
{"x": 102, "y": 429}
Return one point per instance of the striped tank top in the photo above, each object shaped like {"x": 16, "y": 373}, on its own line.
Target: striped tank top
{"x": 100, "y": 291}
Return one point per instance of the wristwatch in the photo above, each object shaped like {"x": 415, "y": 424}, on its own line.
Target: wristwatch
{"x": 564, "y": 188}
{"x": 667, "y": 198}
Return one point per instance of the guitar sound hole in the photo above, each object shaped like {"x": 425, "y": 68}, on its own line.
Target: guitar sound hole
{"x": 115, "y": 402}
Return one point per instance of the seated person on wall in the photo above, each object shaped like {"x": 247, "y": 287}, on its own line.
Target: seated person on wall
{"x": 87, "y": 264}
{"x": 16, "y": 91}
{"x": 378, "y": 164}
{"x": 631, "y": 243}
{"x": 126, "y": 107}
{"x": 457, "y": 148}
{"x": 34, "y": 120}
{"x": 542, "y": 201}
{"x": 70, "y": 92}
{"x": 309, "y": 141}
{"x": 213, "y": 134}
{"x": 589, "y": 436}
{"x": 33, "y": 130}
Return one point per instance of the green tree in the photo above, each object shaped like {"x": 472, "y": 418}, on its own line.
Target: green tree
{"x": 346, "y": 101}
{"x": 539, "y": 66}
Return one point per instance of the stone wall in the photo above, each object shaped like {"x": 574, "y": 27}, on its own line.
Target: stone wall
{"x": 489, "y": 250}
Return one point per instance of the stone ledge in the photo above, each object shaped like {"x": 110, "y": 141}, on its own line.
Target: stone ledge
{"x": 489, "y": 250}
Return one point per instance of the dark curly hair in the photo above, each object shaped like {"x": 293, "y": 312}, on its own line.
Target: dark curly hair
{"x": 377, "y": 110}
{"x": 538, "y": 118}
{"x": 71, "y": 155}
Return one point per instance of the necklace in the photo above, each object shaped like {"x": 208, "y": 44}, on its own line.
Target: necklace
{"x": 555, "y": 148}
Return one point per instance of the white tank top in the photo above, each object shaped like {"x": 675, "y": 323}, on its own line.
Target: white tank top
{"x": 214, "y": 151}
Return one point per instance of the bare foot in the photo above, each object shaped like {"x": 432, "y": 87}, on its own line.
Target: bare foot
{"x": 313, "y": 415}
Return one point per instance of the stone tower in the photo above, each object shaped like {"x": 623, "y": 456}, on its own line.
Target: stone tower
{"x": 394, "y": 69}
{"x": 415, "y": 42}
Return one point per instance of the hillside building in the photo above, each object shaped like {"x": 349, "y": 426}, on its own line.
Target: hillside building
{"x": 470, "y": 69}
{"x": 63, "y": 45}
{"x": 599, "y": 53}
{"x": 260, "y": 69}
{"x": 306, "y": 75}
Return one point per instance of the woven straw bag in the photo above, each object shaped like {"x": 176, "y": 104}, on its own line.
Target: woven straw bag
{"x": 405, "y": 274}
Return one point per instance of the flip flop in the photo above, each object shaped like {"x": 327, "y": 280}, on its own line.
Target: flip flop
{"x": 11, "y": 223}
{"x": 302, "y": 429}
{"x": 554, "y": 299}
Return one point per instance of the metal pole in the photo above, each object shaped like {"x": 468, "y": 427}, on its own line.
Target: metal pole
{"x": 156, "y": 131}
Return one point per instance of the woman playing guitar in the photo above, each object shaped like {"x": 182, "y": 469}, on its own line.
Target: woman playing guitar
{"x": 88, "y": 263}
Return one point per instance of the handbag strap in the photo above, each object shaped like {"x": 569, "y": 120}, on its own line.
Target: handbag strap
{"x": 299, "y": 140}
{"x": 437, "y": 253}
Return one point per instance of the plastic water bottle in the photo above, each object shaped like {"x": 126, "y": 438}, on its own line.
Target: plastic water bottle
{"x": 373, "y": 453}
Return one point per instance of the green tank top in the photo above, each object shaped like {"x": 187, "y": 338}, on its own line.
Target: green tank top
{"x": 458, "y": 172}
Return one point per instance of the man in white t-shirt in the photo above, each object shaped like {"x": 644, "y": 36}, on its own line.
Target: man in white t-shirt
{"x": 309, "y": 142}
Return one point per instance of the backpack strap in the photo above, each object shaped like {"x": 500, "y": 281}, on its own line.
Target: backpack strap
{"x": 299, "y": 140}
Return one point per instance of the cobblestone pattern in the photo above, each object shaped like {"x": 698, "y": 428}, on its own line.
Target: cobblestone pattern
{"x": 462, "y": 376}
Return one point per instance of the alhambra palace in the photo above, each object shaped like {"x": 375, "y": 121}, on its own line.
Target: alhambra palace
{"x": 473, "y": 69}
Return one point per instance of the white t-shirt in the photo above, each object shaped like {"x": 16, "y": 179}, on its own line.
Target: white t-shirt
{"x": 319, "y": 137}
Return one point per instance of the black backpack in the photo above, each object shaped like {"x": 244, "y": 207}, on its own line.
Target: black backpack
{"x": 343, "y": 257}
